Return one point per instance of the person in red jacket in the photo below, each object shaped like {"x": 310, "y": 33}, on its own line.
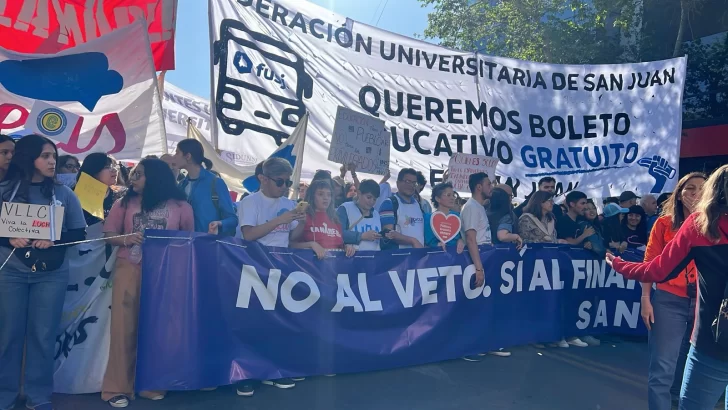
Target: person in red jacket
{"x": 703, "y": 238}
{"x": 669, "y": 314}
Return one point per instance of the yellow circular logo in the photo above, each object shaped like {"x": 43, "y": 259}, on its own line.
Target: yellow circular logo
{"x": 52, "y": 122}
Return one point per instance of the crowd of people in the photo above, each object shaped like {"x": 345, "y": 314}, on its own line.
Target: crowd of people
{"x": 182, "y": 192}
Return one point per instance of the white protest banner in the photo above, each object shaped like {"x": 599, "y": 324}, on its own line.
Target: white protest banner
{"x": 30, "y": 221}
{"x": 180, "y": 106}
{"x": 51, "y": 121}
{"x": 360, "y": 139}
{"x": 108, "y": 82}
{"x": 82, "y": 346}
{"x": 602, "y": 129}
{"x": 461, "y": 166}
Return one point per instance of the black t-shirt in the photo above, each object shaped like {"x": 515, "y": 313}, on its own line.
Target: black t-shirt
{"x": 567, "y": 227}
{"x": 635, "y": 238}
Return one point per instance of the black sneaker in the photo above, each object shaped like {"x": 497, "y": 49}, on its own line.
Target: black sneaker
{"x": 245, "y": 390}
{"x": 119, "y": 402}
{"x": 473, "y": 358}
{"x": 281, "y": 383}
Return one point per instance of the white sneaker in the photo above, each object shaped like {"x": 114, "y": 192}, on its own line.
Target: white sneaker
{"x": 577, "y": 342}
{"x": 500, "y": 353}
{"x": 561, "y": 343}
{"x": 119, "y": 402}
{"x": 591, "y": 340}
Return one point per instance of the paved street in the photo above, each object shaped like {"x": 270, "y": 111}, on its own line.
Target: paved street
{"x": 611, "y": 376}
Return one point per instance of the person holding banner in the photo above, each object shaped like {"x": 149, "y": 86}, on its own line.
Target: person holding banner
{"x": 476, "y": 229}
{"x": 634, "y": 227}
{"x": 443, "y": 197}
{"x": 702, "y": 238}
{"x": 7, "y": 149}
{"x": 361, "y": 218}
{"x": 207, "y": 193}
{"x": 537, "y": 224}
{"x": 500, "y": 212}
{"x": 269, "y": 217}
{"x": 321, "y": 230}
{"x": 152, "y": 202}
{"x": 35, "y": 274}
{"x": 669, "y": 313}
{"x": 402, "y": 215}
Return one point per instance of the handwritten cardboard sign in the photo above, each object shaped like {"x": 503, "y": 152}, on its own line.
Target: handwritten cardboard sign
{"x": 91, "y": 193}
{"x": 445, "y": 227}
{"x": 360, "y": 139}
{"x": 29, "y": 221}
{"x": 461, "y": 166}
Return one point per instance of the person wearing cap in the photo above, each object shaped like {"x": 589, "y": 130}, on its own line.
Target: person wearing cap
{"x": 628, "y": 199}
{"x": 634, "y": 227}
{"x": 612, "y": 228}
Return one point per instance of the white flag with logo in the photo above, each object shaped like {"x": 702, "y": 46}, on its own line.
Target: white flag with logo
{"x": 108, "y": 84}
{"x": 51, "y": 121}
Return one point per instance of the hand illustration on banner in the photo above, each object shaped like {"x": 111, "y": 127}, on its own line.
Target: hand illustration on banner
{"x": 259, "y": 70}
{"x": 660, "y": 169}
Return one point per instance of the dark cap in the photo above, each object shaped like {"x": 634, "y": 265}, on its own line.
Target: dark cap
{"x": 627, "y": 195}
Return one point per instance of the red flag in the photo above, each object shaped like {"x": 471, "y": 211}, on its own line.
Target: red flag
{"x": 49, "y": 26}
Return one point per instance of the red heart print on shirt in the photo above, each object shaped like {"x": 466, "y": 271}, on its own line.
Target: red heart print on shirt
{"x": 445, "y": 227}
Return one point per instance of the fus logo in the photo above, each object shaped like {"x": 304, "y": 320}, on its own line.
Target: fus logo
{"x": 245, "y": 66}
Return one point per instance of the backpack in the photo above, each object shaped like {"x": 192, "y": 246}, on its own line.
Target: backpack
{"x": 216, "y": 203}
{"x": 385, "y": 243}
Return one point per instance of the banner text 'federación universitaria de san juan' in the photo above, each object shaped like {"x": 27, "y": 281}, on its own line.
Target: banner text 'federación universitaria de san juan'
{"x": 601, "y": 129}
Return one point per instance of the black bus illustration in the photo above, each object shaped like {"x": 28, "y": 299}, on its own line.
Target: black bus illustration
{"x": 233, "y": 51}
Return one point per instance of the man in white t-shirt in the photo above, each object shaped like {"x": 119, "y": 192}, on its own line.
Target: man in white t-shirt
{"x": 268, "y": 216}
{"x": 476, "y": 231}
{"x": 475, "y": 226}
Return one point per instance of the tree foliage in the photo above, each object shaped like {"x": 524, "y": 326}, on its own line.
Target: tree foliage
{"x": 706, "y": 86}
{"x": 554, "y": 31}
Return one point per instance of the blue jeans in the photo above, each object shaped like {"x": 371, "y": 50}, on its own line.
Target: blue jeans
{"x": 674, "y": 317}
{"x": 31, "y": 305}
{"x": 704, "y": 381}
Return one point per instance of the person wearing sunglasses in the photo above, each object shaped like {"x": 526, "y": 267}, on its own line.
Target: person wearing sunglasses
{"x": 269, "y": 217}
{"x": 206, "y": 192}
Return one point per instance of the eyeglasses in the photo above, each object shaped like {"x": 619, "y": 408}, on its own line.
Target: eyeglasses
{"x": 135, "y": 176}
{"x": 72, "y": 167}
{"x": 280, "y": 181}
{"x": 112, "y": 168}
{"x": 409, "y": 182}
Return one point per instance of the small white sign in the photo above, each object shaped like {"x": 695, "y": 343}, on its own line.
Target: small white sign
{"x": 51, "y": 122}
{"x": 29, "y": 221}
{"x": 360, "y": 139}
{"x": 461, "y": 166}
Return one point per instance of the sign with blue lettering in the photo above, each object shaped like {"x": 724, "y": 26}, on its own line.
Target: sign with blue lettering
{"x": 231, "y": 310}
{"x": 601, "y": 129}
